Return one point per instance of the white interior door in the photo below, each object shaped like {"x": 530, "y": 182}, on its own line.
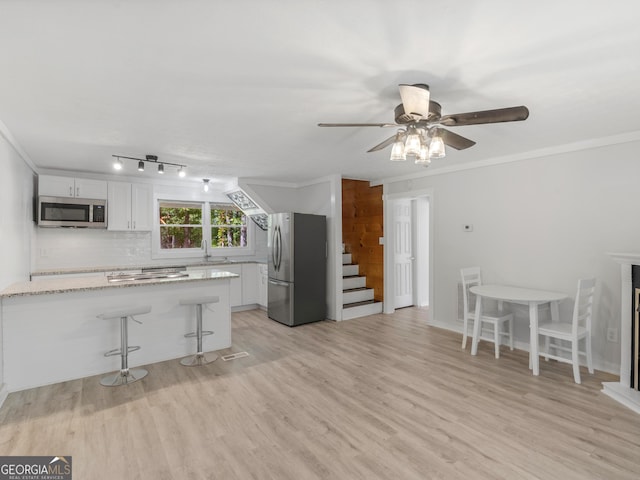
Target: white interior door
{"x": 403, "y": 253}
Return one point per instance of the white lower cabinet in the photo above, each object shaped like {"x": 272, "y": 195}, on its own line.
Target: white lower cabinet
{"x": 249, "y": 283}
{"x": 263, "y": 284}
{"x": 249, "y": 289}
{"x": 235, "y": 285}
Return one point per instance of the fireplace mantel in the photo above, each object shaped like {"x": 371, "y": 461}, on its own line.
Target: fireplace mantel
{"x": 621, "y": 391}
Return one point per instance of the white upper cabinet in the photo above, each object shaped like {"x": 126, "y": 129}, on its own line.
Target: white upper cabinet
{"x": 54, "y": 186}
{"x": 130, "y": 206}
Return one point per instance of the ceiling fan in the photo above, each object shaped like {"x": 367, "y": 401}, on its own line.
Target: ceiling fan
{"x": 420, "y": 119}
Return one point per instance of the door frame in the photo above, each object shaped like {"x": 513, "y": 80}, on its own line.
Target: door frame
{"x": 420, "y": 251}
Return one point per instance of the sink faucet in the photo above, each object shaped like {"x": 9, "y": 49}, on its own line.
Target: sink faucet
{"x": 204, "y": 247}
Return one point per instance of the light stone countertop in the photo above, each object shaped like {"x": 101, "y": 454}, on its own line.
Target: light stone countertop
{"x": 97, "y": 282}
{"x": 118, "y": 268}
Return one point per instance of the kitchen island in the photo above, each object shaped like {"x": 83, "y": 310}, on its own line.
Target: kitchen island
{"x": 51, "y": 333}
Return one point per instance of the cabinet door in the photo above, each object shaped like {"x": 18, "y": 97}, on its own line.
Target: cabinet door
{"x": 89, "y": 188}
{"x": 263, "y": 285}
{"x": 249, "y": 283}
{"x": 141, "y": 207}
{"x": 56, "y": 186}
{"x": 119, "y": 206}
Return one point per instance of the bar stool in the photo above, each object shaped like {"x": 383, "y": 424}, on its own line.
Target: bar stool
{"x": 199, "y": 358}
{"x": 124, "y": 376}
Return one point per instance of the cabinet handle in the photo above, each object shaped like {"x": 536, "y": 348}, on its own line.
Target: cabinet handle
{"x": 71, "y": 191}
{"x": 77, "y": 191}
{"x": 134, "y": 224}
{"x": 128, "y": 225}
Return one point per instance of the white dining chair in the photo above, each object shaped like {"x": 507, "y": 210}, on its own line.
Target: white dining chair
{"x": 578, "y": 329}
{"x": 471, "y": 277}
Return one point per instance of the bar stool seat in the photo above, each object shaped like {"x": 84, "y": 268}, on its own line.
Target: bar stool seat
{"x": 200, "y": 358}
{"x": 125, "y": 375}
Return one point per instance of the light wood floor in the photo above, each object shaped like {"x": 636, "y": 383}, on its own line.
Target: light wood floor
{"x": 381, "y": 397}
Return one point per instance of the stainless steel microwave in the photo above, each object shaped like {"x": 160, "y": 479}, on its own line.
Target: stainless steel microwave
{"x": 71, "y": 212}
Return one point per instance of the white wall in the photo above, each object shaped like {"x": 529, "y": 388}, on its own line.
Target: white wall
{"x": 540, "y": 223}
{"x": 16, "y": 223}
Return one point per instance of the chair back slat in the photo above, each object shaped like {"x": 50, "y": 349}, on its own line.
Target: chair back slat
{"x": 583, "y": 306}
{"x": 471, "y": 277}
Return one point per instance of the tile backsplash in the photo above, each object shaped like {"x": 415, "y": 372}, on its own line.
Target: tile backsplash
{"x": 69, "y": 248}
{"x": 62, "y": 248}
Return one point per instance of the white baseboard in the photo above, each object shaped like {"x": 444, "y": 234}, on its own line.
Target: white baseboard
{"x": 607, "y": 367}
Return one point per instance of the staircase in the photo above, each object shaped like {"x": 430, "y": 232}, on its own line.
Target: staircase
{"x": 357, "y": 299}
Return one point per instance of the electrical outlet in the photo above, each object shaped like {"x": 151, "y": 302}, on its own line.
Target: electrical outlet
{"x": 612, "y": 334}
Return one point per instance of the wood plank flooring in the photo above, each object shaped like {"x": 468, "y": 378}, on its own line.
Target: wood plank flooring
{"x": 380, "y": 397}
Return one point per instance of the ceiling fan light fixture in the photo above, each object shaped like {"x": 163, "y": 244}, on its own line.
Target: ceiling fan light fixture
{"x": 423, "y": 156}
{"x": 412, "y": 146}
{"x": 436, "y": 149}
{"x": 397, "y": 150}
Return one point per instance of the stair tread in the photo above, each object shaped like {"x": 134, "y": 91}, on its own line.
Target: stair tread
{"x": 357, "y": 289}
{"x": 357, "y": 304}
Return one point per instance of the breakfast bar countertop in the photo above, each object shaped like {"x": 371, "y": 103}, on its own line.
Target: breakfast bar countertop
{"x": 117, "y": 268}
{"x": 62, "y": 285}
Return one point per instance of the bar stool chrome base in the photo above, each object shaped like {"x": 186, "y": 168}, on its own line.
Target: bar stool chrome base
{"x": 123, "y": 377}
{"x": 199, "y": 359}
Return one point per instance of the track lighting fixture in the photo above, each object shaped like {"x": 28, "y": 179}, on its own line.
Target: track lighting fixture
{"x": 118, "y": 164}
{"x": 206, "y": 184}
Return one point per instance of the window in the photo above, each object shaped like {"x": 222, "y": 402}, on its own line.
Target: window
{"x": 228, "y": 227}
{"x": 180, "y": 225}
{"x": 184, "y": 226}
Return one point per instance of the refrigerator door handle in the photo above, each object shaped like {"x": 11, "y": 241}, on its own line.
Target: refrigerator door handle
{"x": 276, "y": 252}
{"x": 280, "y": 284}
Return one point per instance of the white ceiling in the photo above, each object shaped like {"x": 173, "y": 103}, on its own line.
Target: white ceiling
{"x": 237, "y": 88}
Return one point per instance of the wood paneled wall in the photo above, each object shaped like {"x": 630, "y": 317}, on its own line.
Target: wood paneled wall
{"x": 361, "y": 228}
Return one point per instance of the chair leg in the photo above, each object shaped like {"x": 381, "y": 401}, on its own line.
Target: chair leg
{"x": 547, "y": 346}
{"x": 511, "y": 334}
{"x": 587, "y": 340}
{"x": 496, "y": 338}
{"x": 464, "y": 332}
{"x": 575, "y": 360}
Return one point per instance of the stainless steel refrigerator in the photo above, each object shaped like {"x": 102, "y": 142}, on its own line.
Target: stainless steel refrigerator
{"x": 297, "y": 251}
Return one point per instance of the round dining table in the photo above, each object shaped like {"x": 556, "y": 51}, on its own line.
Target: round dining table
{"x": 523, "y": 296}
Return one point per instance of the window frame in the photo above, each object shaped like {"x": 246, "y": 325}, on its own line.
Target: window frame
{"x": 216, "y": 252}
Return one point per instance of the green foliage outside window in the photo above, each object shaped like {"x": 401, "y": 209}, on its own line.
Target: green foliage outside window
{"x": 180, "y": 225}
{"x": 229, "y": 228}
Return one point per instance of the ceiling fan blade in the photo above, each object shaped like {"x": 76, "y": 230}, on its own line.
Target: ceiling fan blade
{"x": 384, "y": 144}
{"x": 357, "y": 125}
{"x": 454, "y": 140}
{"x": 511, "y": 114}
{"x": 415, "y": 99}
